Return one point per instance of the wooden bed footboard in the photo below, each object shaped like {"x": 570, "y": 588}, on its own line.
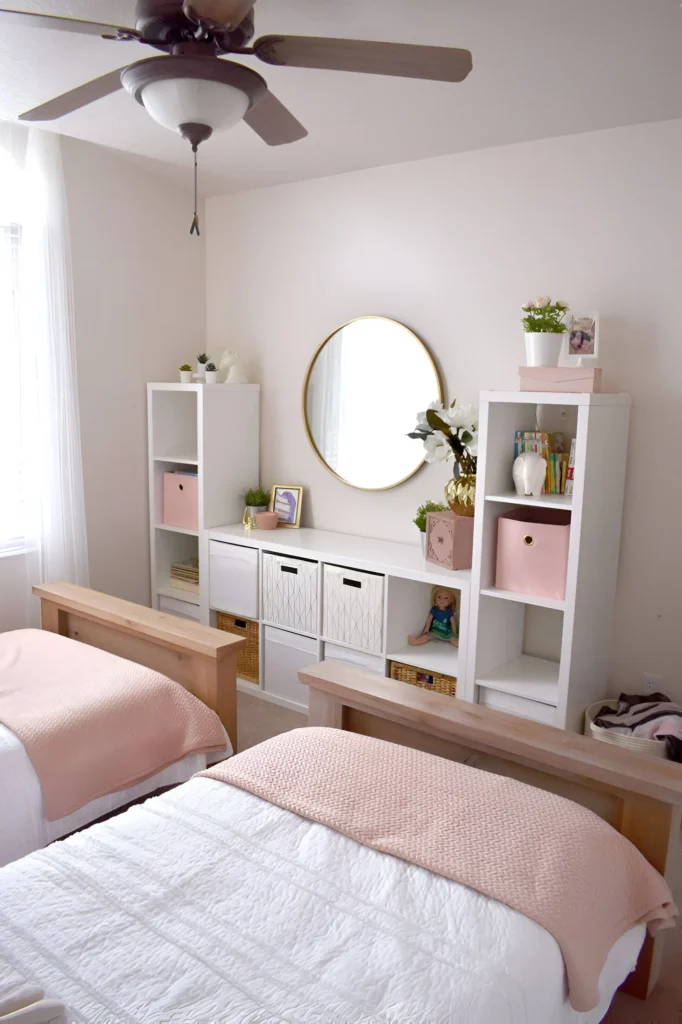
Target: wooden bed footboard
{"x": 202, "y": 659}
{"x": 640, "y": 796}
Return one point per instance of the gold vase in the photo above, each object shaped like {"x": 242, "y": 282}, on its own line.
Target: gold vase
{"x": 460, "y": 494}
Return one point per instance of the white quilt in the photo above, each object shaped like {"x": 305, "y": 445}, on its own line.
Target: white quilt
{"x": 209, "y": 904}
{"x": 23, "y": 826}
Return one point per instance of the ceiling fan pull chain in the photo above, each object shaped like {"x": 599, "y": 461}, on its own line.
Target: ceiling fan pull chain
{"x": 195, "y": 222}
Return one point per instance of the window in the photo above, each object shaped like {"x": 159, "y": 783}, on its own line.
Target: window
{"x": 12, "y": 527}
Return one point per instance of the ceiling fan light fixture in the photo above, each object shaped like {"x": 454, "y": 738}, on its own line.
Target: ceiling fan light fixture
{"x": 177, "y": 101}
{"x": 183, "y": 90}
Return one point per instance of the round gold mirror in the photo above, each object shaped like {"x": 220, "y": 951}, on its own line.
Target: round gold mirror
{"x": 364, "y": 387}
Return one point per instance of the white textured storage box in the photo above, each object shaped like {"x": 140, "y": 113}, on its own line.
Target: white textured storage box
{"x": 353, "y": 604}
{"x": 284, "y": 655}
{"x": 290, "y": 592}
{"x": 233, "y": 579}
{"x": 370, "y": 662}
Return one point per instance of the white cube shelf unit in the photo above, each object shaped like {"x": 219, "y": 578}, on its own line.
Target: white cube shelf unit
{"x": 539, "y": 657}
{"x": 210, "y": 430}
{"x": 353, "y": 599}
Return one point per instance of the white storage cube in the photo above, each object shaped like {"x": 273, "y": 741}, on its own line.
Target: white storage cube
{"x": 183, "y": 609}
{"x": 353, "y": 605}
{"x": 285, "y": 654}
{"x": 233, "y": 579}
{"x": 290, "y": 592}
{"x": 334, "y": 652}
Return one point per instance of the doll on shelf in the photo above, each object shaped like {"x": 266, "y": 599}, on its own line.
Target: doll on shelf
{"x": 442, "y": 619}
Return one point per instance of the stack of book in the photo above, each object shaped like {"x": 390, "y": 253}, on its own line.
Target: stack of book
{"x": 185, "y": 575}
{"x": 551, "y": 447}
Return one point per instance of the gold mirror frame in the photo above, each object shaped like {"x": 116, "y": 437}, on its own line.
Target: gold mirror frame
{"x": 439, "y": 384}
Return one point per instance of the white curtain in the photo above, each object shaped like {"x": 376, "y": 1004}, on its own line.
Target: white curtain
{"x": 36, "y": 302}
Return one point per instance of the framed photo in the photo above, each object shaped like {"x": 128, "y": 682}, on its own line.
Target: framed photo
{"x": 583, "y": 336}
{"x": 286, "y": 501}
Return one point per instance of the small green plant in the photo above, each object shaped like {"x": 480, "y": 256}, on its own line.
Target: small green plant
{"x": 185, "y": 367}
{"x": 256, "y": 497}
{"x": 211, "y": 367}
{"x": 203, "y": 358}
{"x": 429, "y": 506}
{"x": 543, "y": 315}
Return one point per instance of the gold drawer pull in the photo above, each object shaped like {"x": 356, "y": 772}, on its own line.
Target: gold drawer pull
{"x": 528, "y": 540}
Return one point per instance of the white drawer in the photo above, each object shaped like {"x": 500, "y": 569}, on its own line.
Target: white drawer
{"x": 290, "y": 592}
{"x": 183, "y": 609}
{"x": 233, "y": 579}
{"x": 285, "y": 654}
{"x": 514, "y": 705}
{"x": 334, "y": 652}
{"x": 353, "y": 605}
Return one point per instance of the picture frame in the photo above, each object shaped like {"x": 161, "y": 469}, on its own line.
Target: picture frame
{"x": 582, "y": 337}
{"x": 286, "y": 500}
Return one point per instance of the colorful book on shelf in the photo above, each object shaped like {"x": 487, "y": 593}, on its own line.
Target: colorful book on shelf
{"x": 571, "y": 469}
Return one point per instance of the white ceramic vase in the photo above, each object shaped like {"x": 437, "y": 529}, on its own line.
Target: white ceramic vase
{"x": 211, "y": 376}
{"x": 543, "y": 348}
{"x": 201, "y": 371}
{"x": 185, "y": 376}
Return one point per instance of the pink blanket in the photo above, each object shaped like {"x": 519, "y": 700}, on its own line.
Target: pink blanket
{"x": 92, "y": 723}
{"x": 552, "y": 860}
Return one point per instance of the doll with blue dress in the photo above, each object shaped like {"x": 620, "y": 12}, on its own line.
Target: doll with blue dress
{"x": 442, "y": 622}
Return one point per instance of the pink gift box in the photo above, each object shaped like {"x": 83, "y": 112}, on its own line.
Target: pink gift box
{"x": 570, "y": 379}
{"x": 181, "y": 500}
{"x": 532, "y": 552}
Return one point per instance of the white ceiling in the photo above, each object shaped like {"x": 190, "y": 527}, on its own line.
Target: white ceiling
{"x": 541, "y": 68}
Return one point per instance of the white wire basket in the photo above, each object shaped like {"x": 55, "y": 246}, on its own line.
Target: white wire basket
{"x": 654, "y": 748}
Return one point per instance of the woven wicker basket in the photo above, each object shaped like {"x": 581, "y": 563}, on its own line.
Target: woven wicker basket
{"x": 248, "y": 665}
{"x": 655, "y": 748}
{"x": 432, "y": 680}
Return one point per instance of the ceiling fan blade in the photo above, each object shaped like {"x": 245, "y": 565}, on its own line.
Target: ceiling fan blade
{"x": 274, "y": 123}
{"x": 76, "y": 98}
{"x": 26, "y": 19}
{"x": 229, "y": 13}
{"x": 404, "y": 60}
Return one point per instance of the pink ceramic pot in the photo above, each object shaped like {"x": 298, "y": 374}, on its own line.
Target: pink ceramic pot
{"x": 267, "y": 520}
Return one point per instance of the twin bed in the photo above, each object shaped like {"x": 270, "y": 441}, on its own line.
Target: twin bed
{"x": 321, "y": 876}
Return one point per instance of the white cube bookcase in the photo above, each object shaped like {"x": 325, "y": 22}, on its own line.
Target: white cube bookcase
{"x": 538, "y": 657}
{"x": 210, "y": 429}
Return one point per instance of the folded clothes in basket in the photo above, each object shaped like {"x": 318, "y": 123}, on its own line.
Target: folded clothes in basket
{"x": 654, "y": 717}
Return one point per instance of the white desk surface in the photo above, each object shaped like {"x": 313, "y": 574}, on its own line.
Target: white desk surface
{"x": 381, "y": 556}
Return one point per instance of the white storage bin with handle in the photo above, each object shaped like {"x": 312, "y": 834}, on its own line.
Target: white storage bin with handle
{"x": 233, "y": 579}
{"x": 637, "y": 744}
{"x": 285, "y": 654}
{"x": 290, "y": 592}
{"x": 353, "y": 604}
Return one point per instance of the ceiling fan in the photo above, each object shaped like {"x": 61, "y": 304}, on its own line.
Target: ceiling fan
{"x": 195, "y": 92}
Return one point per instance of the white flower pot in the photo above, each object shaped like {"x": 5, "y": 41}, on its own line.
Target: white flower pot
{"x": 211, "y": 376}
{"x": 543, "y": 348}
{"x": 185, "y": 376}
{"x": 201, "y": 371}
{"x": 422, "y": 534}
{"x": 254, "y": 509}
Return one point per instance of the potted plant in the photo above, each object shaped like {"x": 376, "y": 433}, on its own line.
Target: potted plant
{"x": 420, "y": 518}
{"x": 202, "y": 359}
{"x": 452, "y": 433}
{"x": 211, "y": 373}
{"x": 544, "y": 326}
{"x": 256, "y": 500}
{"x": 185, "y": 374}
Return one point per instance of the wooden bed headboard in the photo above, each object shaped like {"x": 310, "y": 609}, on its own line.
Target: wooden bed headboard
{"x": 641, "y": 796}
{"x": 200, "y": 658}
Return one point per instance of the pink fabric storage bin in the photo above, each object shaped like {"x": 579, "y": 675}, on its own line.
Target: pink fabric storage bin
{"x": 181, "y": 500}
{"x": 532, "y": 552}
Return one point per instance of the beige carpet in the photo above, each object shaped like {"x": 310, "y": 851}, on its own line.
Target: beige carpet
{"x": 258, "y": 720}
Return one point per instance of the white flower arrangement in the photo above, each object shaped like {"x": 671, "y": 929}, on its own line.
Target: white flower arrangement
{"x": 543, "y": 315}
{"x": 449, "y": 433}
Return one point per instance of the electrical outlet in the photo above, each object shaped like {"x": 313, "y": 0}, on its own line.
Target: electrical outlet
{"x": 651, "y": 683}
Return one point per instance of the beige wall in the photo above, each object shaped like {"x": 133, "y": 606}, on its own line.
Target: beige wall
{"x": 451, "y": 247}
{"x": 140, "y": 312}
